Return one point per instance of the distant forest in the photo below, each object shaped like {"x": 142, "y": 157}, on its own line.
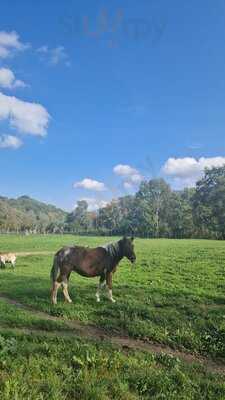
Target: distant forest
{"x": 155, "y": 211}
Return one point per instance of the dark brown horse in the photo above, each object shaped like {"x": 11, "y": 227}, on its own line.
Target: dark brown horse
{"x": 100, "y": 261}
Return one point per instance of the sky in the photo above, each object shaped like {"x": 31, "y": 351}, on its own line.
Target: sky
{"x": 96, "y": 96}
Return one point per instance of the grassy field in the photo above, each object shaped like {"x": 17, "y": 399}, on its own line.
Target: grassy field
{"x": 175, "y": 297}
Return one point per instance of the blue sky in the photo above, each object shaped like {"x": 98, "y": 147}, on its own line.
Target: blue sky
{"x": 126, "y": 90}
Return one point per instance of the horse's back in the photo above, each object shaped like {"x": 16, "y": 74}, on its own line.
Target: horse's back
{"x": 68, "y": 252}
{"x": 86, "y": 261}
{"x": 81, "y": 252}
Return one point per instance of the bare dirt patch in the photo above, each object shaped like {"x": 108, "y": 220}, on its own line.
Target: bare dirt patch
{"x": 34, "y": 253}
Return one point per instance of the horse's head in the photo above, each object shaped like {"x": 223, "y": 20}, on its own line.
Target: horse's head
{"x": 128, "y": 249}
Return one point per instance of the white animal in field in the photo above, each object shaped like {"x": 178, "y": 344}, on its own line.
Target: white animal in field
{"x": 8, "y": 258}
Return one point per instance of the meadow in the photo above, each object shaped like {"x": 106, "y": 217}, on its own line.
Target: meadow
{"x": 173, "y": 298}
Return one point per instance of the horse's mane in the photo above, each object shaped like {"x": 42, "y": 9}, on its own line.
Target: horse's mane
{"x": 113, "y": 249}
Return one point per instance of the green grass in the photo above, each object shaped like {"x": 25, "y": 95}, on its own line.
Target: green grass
{"x": 174, "y": 296}
{"x": 38, "y": 368}
{"x": 23, "y": 319}
{"x": 28, "y": 243}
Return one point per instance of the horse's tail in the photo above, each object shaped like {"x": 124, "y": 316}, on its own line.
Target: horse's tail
{"x": 55, "y": 269}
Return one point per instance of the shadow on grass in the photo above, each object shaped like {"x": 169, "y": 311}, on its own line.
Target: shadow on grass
{"x": 36, "y": 287}
{"x": 170, "y": 316}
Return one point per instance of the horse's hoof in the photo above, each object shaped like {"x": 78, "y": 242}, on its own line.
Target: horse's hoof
{"x": 113, "y": 300}
{"x": 98, "y": 300}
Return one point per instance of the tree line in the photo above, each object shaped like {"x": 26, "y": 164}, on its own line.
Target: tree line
{"x": 157, "y": 211}
{"x": 26, "y": 215}
{"x": 154, "y": 211}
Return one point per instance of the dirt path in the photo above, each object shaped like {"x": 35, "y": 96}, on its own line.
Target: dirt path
{"x": 97, "y": 334}
{"x": 33, "y": 253}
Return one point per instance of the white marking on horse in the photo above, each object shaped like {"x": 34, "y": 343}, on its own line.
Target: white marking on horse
{"x": 65, "y": 292}
{"x": 67, "y": 252}
{"x": 98, "y": 295}
{"x": 56, "y": 286}
{"x": 100, "y": 287}
{"x": 111, "y": 296}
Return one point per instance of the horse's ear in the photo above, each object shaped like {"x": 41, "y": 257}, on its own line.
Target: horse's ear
{"x": 132, "y": 238}
{"x": 124, "y": 237}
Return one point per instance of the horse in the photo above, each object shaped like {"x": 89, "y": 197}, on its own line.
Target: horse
{"x": 8, "y": 258}
{"x": 89, "y": 262}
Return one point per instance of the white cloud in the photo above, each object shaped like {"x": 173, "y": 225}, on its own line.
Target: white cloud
{"x": 124, "y": 170}
{"x": 25, "y": 117}
{"x": 131, "y": 175}
{"x": 9, "y": 43}
{"x": 10, "y": 142}
{"x": 90, "y": 184}
{"x": 55, "y": 56}
{"x": 128, "y": 185}
{"x": 8, "y": 80}
{"x": 186, "y": 171}
{"x": 94, "y": 204}
{"x": 30, "y": 118}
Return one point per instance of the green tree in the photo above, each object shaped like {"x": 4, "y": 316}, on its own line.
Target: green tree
{"x": 180, "y": 214}
{"x": 79, "y": 220}
{"x": 209, "y": 203}
{"x": 153, "y": 201}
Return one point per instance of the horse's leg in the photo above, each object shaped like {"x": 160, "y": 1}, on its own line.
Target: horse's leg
{"x": 65, "y": 280}
{"x": 100, "y": 286}
{"x": 55, "y": 286}
{"x": 109, "y": 286}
